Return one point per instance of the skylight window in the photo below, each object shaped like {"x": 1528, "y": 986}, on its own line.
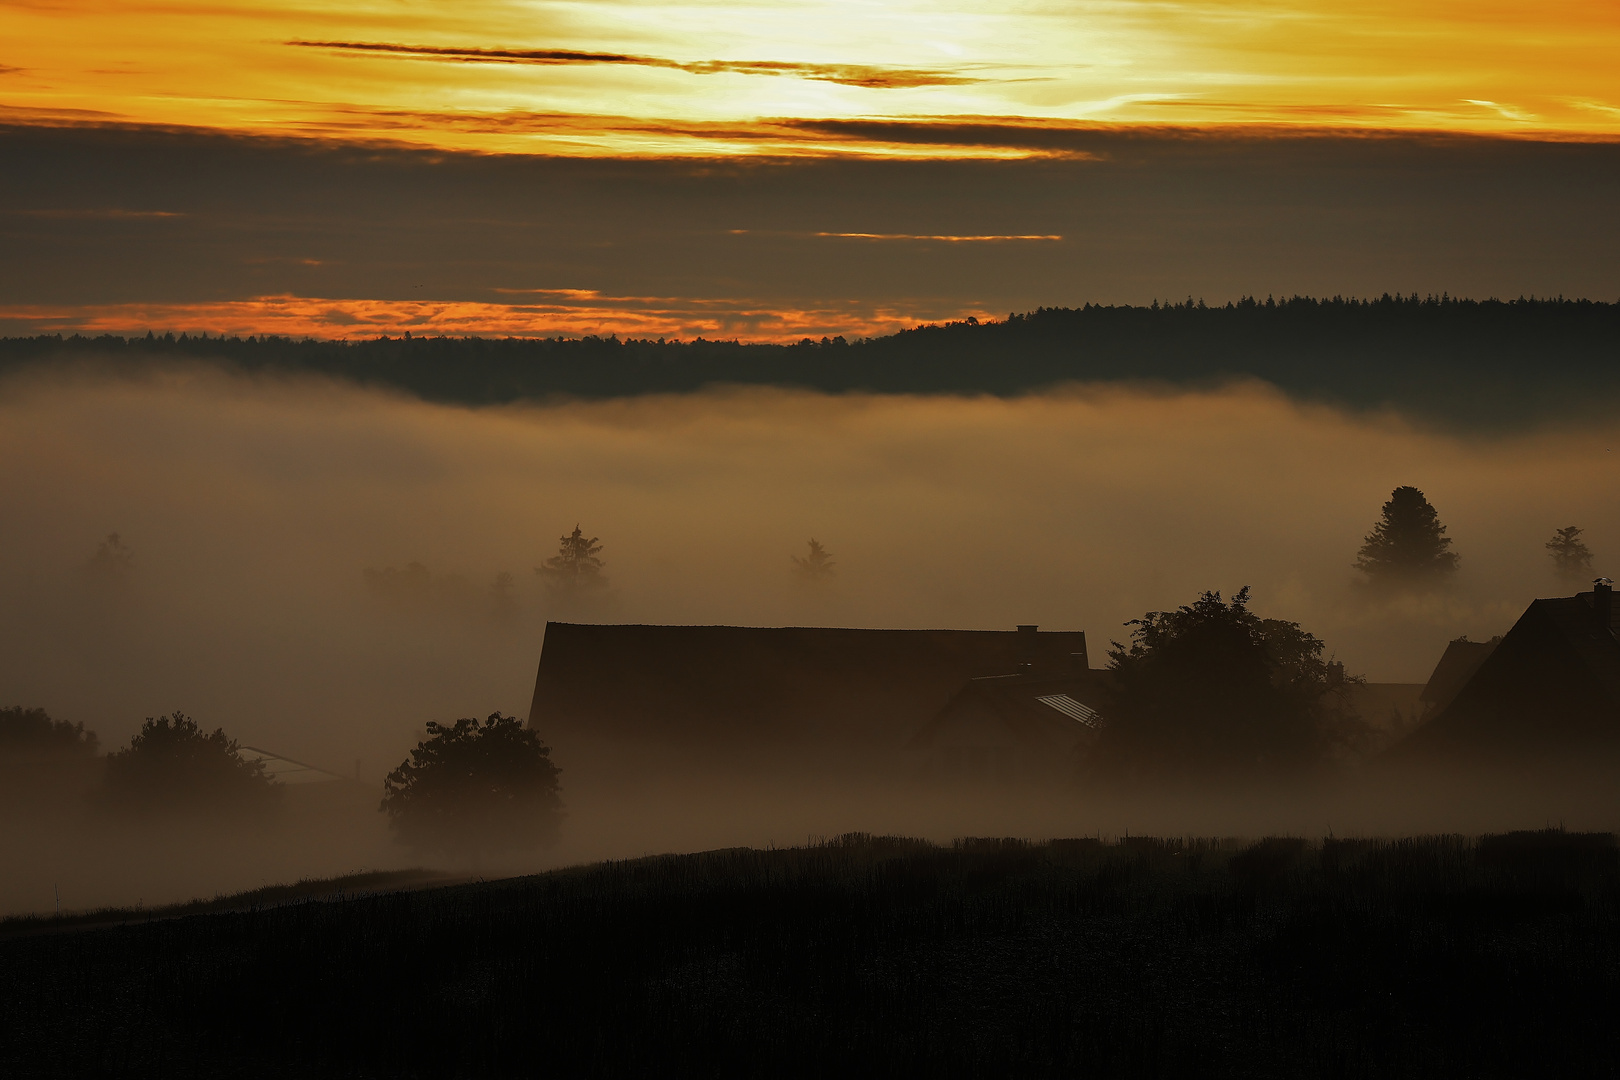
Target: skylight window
{"x": 1069, "y": 707}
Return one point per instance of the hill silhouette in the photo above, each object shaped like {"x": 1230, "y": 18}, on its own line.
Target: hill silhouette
{"x": 1462, "y": 363}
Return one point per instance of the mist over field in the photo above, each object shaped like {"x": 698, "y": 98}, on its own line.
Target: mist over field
{"x": 314, "y": 566}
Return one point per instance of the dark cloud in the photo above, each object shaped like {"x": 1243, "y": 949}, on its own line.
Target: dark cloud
{"x": 865, "y": 75}
{"x": 937, "y": 237}
{"x": 1144, "y": 215}
{"x": 110, "y": 213}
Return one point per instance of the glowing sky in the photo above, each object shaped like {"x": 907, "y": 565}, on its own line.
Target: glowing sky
{"x": 334, "y": 168}
{"x": 641, "y": 76}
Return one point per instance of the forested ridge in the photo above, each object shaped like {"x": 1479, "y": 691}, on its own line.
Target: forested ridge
{"x": 1455, "y": 361}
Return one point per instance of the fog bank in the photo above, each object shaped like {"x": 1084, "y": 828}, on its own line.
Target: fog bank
{"x": 253, "y": 509}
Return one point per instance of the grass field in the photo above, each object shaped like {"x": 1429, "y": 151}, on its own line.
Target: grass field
{"x": 1142, "y": 957}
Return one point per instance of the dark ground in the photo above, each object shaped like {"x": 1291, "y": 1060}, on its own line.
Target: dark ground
{"x": 1431, "y": 956}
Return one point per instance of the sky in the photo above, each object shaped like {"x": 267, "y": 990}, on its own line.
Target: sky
{"x": 639, "y": 77}
{"x": 775, "y": 171}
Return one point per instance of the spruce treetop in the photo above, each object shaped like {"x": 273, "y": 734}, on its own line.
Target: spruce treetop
{"x": 1408, "y": 545}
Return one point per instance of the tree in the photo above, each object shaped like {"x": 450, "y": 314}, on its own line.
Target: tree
{"x": 32, "y": 733}
{"x": 43, "y": 761}
{"x": 815, "y": 567}
{"x": 1408, "y": 546}
{"x": 1572, "y": 559}
{"x": 113, "y": 562}
{"x": 575, "y": 566}
{"x": 1212, "y": 688}
{"x": 173, "y": 765}
{"x": 471, "y": 787}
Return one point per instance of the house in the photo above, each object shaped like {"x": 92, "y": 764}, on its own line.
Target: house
{"x": 819, "y": 698}
{"x": 1006, "y": 728}
{"x": 1457, "y": 665}
{"x": 1549, "y": 688}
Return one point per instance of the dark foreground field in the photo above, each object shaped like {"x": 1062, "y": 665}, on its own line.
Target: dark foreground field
{"x": 1433, "y": 956}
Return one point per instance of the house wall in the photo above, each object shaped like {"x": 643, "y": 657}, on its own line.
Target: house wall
{"x": 969, "y": 743}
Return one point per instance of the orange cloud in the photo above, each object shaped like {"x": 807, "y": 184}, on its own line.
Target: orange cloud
{"x": 545, "y": 313}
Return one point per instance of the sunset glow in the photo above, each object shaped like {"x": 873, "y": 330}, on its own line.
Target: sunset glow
{"x": 734, "y": 78}
{"x": 548, "y": 313}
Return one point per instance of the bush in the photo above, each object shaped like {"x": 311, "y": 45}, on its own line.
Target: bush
{"x": 173, "y": 765}
{"x": 1211, "y": 688}
{"x": 470, "y": 787}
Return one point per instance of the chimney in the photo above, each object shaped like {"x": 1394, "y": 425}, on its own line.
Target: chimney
{"x": 1603, "y": 601}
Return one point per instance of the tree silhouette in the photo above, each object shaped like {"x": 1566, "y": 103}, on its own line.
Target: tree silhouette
{"x": 1212, "y": 688}
{"x": 113, "y": 561}
{"x": 817, "y": 566}
{"x": 1408, "y": 546}
{"x": 468, "y": 787}
{"x": 43, "y": 761}
{"x": 575, "y": 566}
{"x": 503, "y": 595}
{"x": 1572, "y": 559}
{"x": 172, "y": 764}
{"x": 32, "y": 733}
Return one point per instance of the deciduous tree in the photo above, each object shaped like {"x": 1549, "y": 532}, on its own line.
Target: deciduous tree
{"x": 470, "y": 787}
{"x": 173, "y": 765}
{"x": 32, "y": 733}
{"x": 1212, "y": 688}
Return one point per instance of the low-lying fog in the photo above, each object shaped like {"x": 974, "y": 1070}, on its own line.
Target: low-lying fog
{"x": 272, "y": 526}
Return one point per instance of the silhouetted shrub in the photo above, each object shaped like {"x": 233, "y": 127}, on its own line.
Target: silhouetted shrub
{"x": 173, "y": 765}
{"x": 470, "y": 787}
{"x": 1213, "y": 688}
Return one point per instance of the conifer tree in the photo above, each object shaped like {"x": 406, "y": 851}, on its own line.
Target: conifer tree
{"x": 1572, "y": 559}
{"x": 575, "y": 566}
{"x": 1408, "y": 546}
{"x": 817, "y": 565}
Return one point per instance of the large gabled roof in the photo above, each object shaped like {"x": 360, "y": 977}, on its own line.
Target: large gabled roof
{"x": 1551, "y": 684}
{"x": 1592, "y": 642}
{"x": 1457, "y": 665}
{"x": 736, "y": 686}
